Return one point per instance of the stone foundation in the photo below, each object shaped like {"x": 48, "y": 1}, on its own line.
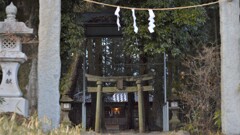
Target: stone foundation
{"x": 15, "y": 104}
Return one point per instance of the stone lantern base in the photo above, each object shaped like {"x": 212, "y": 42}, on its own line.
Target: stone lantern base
{"x": 15, "y": 104}
{"x": 11, "y": 56}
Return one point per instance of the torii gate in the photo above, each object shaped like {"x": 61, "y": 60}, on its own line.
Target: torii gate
{"x": 119, "y": 88}
{"x": 49, "y": 52}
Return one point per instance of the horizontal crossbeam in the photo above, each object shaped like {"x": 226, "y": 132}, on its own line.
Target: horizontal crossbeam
{"x": 114, "y": 89}
{"x": 94, "y": 78}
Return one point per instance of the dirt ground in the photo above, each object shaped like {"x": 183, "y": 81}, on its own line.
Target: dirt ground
{"x": 136, "y": 133}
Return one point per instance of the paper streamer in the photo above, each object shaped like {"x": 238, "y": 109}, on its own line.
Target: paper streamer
{"x": 118, "y": 16}
{"x": 151, "y": 21}
{"x": 134, "y": 21}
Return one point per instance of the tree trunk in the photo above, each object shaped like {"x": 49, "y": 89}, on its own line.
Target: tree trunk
{"x": 91, "y": 71}
{"x": 158, "y": 96}
{"x": 32, "y": 88}
{"x": 130, "y": 111}
{"x": 146, "y": 104}
{"x": 131, "y": 101}
{"x": 95, "y": 68}
{"x": 75, "y": 73}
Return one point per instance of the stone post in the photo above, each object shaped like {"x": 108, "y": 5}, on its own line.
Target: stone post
{"x": 49, "y": 64}
{"x": 11, "y": 56}
{"x": 98, "y": 107}
{"x": 230, "y": 66}
{"x": 140, "y": 107}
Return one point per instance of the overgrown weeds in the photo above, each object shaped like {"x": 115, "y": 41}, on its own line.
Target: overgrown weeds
{"x": 201, "y": 91}
{"x": 14, "y": 124}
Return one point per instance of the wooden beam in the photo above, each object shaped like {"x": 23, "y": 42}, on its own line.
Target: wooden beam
{"x": 114, "y": 89}
{"x": 95, "y": 78}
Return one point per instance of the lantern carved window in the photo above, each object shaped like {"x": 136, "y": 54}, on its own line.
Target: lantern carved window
{"x": 9, "y": 43}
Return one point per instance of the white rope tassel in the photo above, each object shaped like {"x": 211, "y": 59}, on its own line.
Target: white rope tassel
{"x": 118, "y": 16}
{"x": 151, "y": 21}
{"x": 134, "y": 21}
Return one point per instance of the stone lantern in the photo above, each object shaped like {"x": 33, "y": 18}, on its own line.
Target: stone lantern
{"x": 11, "y": 56}
{"x": 66, "y": 106}
{"x": 174, "y": 107}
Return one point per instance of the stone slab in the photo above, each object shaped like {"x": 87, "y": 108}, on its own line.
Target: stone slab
{"x": 49, "y": 63}
{"x": 9, "y": 85}
{"x": 230, "y": 66}
{"x": 15, "y": 104}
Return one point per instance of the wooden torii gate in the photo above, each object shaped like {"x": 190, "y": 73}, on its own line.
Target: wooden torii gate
{"x": 119, "y": 88}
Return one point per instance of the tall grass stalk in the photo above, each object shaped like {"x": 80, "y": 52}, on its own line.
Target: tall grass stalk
{"x": 13, "y": 124}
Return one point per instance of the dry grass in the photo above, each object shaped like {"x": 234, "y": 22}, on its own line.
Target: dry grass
{"x": 14, "y": 124}
{"x": 201, "y": 90}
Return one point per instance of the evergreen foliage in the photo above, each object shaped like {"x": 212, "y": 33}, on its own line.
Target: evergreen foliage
{"x": 175, "y": 32}
{"x": 2, "y": 9}
{"x": 72, "y": 34}
{"x": 72, "y": 37}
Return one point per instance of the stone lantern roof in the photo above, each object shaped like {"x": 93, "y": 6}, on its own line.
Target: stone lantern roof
{"x": 10, "y": 25}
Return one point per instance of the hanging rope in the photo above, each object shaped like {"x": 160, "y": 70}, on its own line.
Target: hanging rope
{"x": 156, "y": 9}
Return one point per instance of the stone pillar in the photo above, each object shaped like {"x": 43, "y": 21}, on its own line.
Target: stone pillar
{"x": 140, "y": 107}
{"x": 230, "y": 66}
{"x": 98, "y": 107}
{"x": 11, "y": 56}
{"x": 49, "y": 64}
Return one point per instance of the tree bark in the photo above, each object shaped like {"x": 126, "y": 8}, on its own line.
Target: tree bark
{"x": 91, "y": 71}
{"x": 146, "y": 104}
{"x": 95, "y": 68}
